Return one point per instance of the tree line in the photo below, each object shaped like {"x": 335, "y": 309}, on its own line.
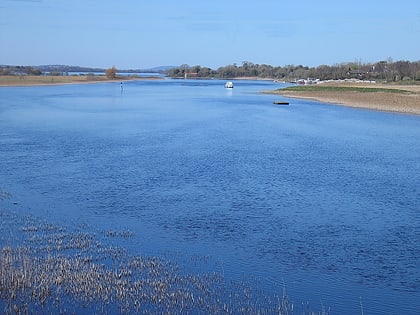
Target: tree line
{"x": 110, "y": 73}
{"x": 386, "y": 70}
{"x": 19, "y": 70}
{"x": 45, "y": 69}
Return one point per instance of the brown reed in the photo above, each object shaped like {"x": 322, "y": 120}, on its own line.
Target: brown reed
{"x": 50, "y": 269}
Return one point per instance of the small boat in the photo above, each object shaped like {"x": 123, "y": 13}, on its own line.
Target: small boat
{"x": 229, "y": 85}
{"x": 280, "y": 103}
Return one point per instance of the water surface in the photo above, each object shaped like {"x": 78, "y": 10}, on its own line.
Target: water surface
{"x": 323, "y": 200}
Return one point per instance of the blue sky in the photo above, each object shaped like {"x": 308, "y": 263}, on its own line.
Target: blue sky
{"x": 144, "y": 34}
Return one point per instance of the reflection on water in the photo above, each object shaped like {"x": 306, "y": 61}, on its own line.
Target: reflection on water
{"x": 323, "y": 199}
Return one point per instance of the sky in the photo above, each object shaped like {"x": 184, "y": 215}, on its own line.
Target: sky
{"x": 141, "y": 34}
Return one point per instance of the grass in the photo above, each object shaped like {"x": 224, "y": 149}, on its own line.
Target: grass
{"x": 43, "y": 80}
{"x": 27, "y": 80}
{"x": 393, "y": 98}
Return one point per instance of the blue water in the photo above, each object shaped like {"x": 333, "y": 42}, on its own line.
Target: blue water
{"x": 322, "y": 200}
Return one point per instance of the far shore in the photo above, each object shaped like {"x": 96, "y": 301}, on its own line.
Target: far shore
{"x": 385, "y": 97}
{"x": 382, "y": 97}
{"x": 34, "y": 80}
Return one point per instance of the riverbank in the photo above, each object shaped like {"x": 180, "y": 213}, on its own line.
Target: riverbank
{"x": 394, "y": 98}
{"x": 34, "y": 80}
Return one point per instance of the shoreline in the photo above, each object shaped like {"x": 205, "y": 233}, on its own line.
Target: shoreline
{"x": 383, "y": 99}
{"x": 407, "y": 102}
{"x": 30, "y": 80}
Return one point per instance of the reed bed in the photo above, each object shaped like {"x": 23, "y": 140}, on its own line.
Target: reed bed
{"x": 50, "y": 269}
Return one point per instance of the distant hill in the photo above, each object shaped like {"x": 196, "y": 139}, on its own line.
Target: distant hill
{"x": 67, "y": 68}
{"x": 162, "y": 68}
{"x": 159, "y": 69}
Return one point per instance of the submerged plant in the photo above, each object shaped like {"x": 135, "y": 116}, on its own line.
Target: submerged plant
{"x": 54, "y": 270}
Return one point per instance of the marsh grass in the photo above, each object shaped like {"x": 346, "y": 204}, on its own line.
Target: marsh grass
{"x": 48, "y": 269}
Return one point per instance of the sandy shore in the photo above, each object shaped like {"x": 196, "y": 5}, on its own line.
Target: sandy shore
{"x": 406, "y": 102}
{"x": 31, "y": 80}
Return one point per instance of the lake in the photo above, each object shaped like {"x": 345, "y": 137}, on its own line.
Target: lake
{"x": 320, "y": 200}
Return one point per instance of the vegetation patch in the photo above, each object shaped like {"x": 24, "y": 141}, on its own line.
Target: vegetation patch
{"x": 402, "y": 99}
{"x": 52, "y": 269}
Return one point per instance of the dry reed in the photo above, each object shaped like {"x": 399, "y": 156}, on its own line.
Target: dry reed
{"x": 48, "y": 269}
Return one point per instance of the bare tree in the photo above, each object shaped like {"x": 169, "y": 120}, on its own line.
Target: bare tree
{"x": 111, "y": 73}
